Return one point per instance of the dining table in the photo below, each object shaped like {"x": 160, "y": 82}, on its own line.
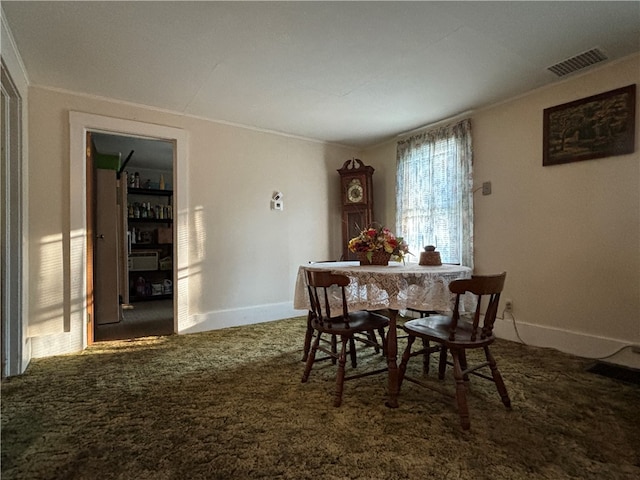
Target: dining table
{"x": 395, "y": 287}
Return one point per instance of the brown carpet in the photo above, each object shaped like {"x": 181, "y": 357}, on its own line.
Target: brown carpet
{"x": 229, "y": 404}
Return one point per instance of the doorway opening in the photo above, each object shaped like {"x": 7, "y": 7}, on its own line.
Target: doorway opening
{"x": 80, "y": 293}
{"x": 137, "y": 174}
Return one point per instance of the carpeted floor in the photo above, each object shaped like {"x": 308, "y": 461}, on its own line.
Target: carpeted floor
{"x": 229, "y": 404}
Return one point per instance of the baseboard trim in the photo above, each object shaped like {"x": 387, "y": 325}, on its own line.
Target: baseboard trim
{"x": 580, "y": 344}
{"x": 218, "y": 319}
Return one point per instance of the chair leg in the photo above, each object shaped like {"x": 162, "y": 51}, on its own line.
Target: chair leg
{"x": 307, "y": 338}
{"x": 334, "y": 349}
{"x": 497, "y": 378}
{"x": 426, "y": 357}
{"x": 461, "y": 391}
{"x": 405, "y": 359}
{"x": 383, "y": 339}
{"x": 352, "y": 352}
{"x": 311, "y": 358}
{"x": 371, "y": 335}
{"x": 425, "y": 345}
{"x": 342, "y": 361}
{"x": 442, "y": 364}
{"x": 464, "y": 365}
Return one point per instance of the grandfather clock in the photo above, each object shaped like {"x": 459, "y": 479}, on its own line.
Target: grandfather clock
{"x": 357, "y": 201}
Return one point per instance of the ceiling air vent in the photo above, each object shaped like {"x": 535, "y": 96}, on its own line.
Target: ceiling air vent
{"x": 578, "y": 62}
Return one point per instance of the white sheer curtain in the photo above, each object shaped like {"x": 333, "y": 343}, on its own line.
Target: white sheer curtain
{"x": 434, "y": 192}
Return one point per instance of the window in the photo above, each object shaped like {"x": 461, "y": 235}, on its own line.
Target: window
{"x": 434, "y": 186}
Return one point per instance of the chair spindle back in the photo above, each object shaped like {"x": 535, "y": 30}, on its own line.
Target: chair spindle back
{"x": 318, "y": 284}
{"x": 481, "y": 286}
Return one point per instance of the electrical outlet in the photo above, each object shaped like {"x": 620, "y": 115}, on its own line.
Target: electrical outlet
{"x": 486, "y": 188}
{"x": 508, "y": 305}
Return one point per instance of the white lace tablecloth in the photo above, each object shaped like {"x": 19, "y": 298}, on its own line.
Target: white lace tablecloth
{"x": 396, "y": 286}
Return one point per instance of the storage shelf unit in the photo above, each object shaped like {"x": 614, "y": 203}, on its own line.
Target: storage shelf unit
{"x": 150, "y": 298}
{"x": 151, "y": 235}
{"x": 150, "y": 191}
{"x": 148, "y": 246}
{"x": 150, "y": 220}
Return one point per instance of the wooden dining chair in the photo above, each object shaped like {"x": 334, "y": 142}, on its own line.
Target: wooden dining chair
{"x": 343, "y": 325}
{"x": 367, "y": 338}
{"x": 426, "y": 347}
{"x": 456, "y": 334}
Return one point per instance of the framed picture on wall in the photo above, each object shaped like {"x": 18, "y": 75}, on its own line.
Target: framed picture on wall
{"x": 599, "y": 126}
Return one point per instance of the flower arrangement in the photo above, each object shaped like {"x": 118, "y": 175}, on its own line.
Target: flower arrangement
{"x": 380, "y": 239}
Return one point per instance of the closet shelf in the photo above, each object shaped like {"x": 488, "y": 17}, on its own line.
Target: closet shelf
{"x": 149, "y": 191}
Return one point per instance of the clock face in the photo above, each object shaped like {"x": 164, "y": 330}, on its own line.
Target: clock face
{"x": 355, "y": 192}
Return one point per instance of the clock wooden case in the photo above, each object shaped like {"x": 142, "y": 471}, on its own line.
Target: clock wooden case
{"x": 356, "y": 186}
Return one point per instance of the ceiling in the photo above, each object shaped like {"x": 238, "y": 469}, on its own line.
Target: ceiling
{"x": 353, "y": 73}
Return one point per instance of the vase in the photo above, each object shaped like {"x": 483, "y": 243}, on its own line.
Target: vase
{"x": 378, "y": 258}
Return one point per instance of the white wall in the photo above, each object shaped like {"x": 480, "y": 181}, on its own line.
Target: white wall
{"x": 243, "y": 257}
{"x": 383, "y": 159}
{"x": 567, "y": 235}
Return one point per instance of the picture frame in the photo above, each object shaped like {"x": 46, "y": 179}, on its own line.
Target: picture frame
{"x": 599, "y": 126}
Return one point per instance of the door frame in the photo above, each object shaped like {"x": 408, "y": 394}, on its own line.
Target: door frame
{"x": 12, "y": 225}
{"x": 80, "y": 298}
